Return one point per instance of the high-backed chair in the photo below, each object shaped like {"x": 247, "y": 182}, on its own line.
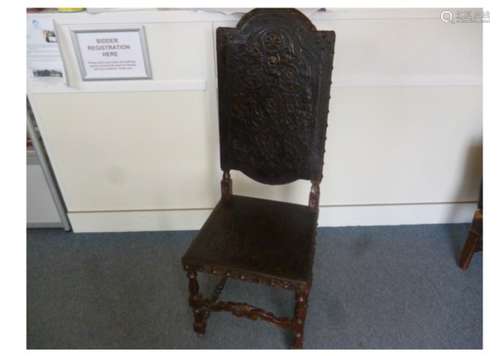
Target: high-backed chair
{"x": 274, "y": 77}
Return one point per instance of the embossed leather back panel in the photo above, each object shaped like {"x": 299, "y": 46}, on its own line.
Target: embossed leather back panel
{"x": 274, "y": 73}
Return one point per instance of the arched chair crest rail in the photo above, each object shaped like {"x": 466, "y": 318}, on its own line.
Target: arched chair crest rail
{"x": 274, "y": 78}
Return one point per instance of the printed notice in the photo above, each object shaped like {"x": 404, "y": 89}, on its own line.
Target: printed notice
{"x": 112, "y": 55}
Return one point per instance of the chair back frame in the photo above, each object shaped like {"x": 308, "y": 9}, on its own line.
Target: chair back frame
{"x": 274, "y": 77}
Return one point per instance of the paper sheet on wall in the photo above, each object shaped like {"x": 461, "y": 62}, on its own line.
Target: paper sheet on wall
{"x": 43, "y": 56}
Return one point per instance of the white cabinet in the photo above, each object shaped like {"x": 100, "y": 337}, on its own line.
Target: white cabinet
{"x": 41, "y": 210}
{"x": 45, "y": 207}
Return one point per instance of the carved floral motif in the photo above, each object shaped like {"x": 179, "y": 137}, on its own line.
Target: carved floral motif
{"x": 273, "y": 99}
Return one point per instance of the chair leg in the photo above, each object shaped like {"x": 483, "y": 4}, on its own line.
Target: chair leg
{"x": 474, "y": 242}
{"x": 471, "y": 246}
{"x": 299, "y": 318}
{"x": 195, "y": 301}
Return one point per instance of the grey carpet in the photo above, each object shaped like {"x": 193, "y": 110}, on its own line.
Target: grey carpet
{"x": 374, "y": 287}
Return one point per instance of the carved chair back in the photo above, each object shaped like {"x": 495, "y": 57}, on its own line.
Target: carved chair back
{"x": 274, "y": 74}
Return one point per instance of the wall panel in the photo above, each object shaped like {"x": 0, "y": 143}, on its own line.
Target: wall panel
{"x": 405, "y": 123}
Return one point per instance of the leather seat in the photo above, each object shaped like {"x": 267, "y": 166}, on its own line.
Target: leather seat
{"x": 264, "y": 237}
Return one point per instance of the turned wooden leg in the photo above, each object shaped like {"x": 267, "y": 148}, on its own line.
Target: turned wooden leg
{"x": 195, "y": 301}
{"x": 470, "y": 247}
{"x": 299, "y": 317}
{"x": 474, "y": 241}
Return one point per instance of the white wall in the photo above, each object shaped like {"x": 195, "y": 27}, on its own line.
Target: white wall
{"x": 403, "y": 142}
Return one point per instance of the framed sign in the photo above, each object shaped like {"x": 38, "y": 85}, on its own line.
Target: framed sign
{"x": 120, "y": 54}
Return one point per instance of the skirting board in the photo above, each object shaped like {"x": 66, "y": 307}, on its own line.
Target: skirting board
{"x": 158, "y": 220}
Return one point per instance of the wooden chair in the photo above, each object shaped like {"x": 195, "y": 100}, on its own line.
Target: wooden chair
{"x": 474, "y": 242}
{"x": 274, "y": 77}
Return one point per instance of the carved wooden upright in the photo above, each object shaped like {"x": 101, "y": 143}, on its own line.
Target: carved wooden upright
{"x": 274, "y": 74}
